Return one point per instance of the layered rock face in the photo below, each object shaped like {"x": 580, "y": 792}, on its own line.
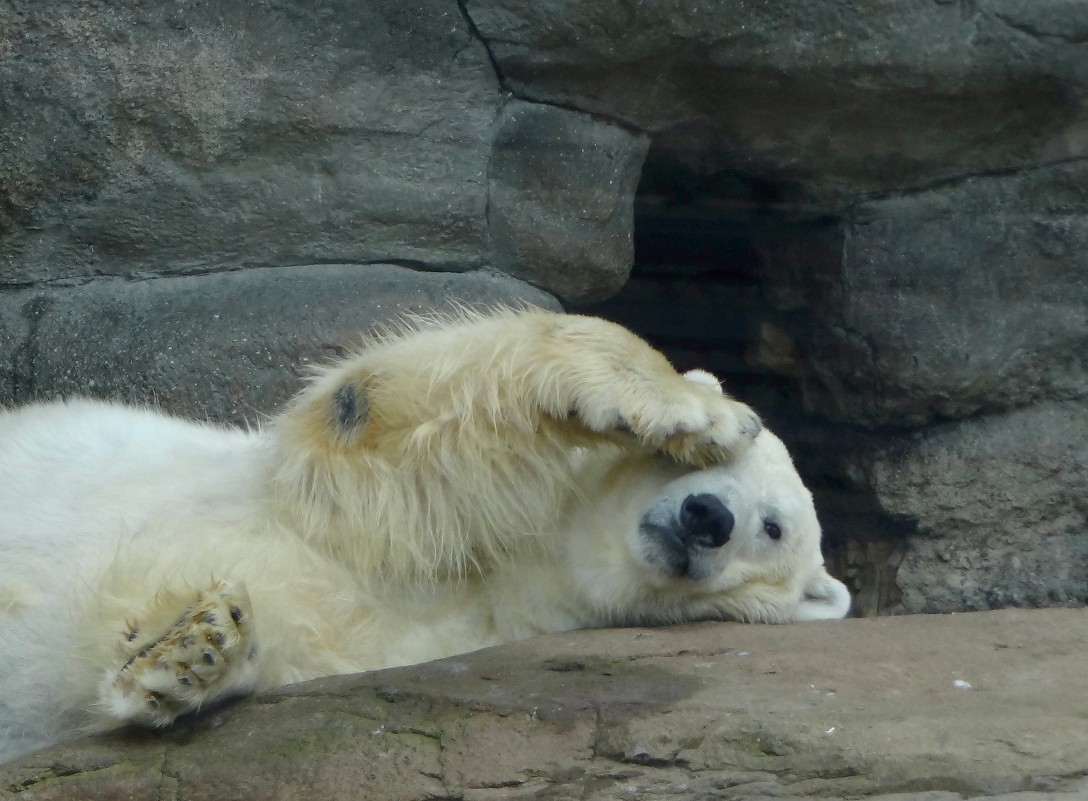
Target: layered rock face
{"x": 869, "y": 217}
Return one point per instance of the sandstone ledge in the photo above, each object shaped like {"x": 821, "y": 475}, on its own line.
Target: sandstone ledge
{"x": 875, "y": 708}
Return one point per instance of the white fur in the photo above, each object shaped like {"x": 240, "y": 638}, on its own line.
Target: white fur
{"x": 454, "y": 485}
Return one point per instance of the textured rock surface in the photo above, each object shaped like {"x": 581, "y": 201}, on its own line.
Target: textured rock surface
{"x": 158, "y": 137}
{"x": 1001, "y": 510}
{"x": 957, "y": 300}
{"x": 960, "y": 314}
{"x": 927, "y": 708}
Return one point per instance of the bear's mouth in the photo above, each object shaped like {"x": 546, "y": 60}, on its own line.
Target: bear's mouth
{"x": 671, "y": 551}
{"x": 666, "y": 552}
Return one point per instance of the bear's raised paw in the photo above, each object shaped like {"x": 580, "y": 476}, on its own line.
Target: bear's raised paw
{"x": 730, "y": 426}
{"x": 207, "y": 653}
{"x": 690, "y": 419}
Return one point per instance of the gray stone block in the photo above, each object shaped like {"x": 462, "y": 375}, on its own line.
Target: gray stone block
{"x": 959, "y": 300}
{"x": 999, "y": 505}
{"x": 847, "y": 96}
{"x": 562, "y": 186}
{"x": 227, "y": 346}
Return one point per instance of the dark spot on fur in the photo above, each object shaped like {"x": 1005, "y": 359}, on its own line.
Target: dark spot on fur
{"x": 187, "y": 641}
{"x": 185, "y": 681}
{"x": 209, "y": 618}
{"x": 209, "y": 657}
{"x": 236, "y": 614}
{"x": 220, "y": 639}
{"x": 132, "y": 635}
{"x": 349, "y": 409}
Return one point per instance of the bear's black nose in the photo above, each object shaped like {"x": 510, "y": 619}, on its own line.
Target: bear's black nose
{"x": 706, "y": 520}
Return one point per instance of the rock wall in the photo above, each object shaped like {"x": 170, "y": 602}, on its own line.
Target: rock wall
{"x": 197, "y": 198}
{"x": 869, "y": 216}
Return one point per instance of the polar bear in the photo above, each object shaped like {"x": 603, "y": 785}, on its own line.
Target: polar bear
{"x": 456, "y": 483}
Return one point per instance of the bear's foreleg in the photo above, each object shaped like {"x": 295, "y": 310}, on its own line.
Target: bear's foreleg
{"x": 433, "y": 452}
{"x": 489, "y": 380}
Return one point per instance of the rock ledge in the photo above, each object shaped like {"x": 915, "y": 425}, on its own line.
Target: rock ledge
{"x": 925, "y": 708}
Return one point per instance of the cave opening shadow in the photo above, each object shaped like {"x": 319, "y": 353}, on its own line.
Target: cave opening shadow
{"x": 730, "y": 273}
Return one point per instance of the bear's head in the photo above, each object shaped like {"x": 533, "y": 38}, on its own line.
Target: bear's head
{"x": 740, "y": 541}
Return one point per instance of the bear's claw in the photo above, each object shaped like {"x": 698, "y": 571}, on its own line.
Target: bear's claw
{"x": 719, "y": 429}
{"x": 695, "y": 425}
{"x": 751, "y": 425}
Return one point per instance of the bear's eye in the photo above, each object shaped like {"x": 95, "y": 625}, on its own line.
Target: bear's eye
{"x": 773, "y": 530}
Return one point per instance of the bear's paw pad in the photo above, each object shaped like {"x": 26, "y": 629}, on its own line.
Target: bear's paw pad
{"x": 205, "y": 654}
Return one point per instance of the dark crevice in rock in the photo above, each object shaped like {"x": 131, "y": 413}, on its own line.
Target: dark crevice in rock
{"x": 499, "y": 785}
{"x": 50, "y": 774}
{"x": 505, "y": 86}
{"x": 496, "y": 127}
{"x": 137, "y": 277}
{"x": 10, "y": 387}
{"x": 736, "y": 273}
{"x": 475, "y": 32}
{"x": 25, "y": 354}
{"x": 169, "y": 780}
{"x": 650, "y": 761}
{"x": 951, "y": 181}
{"x": 600, "y": 732}
{"x": 600, "y": 116}
{"x": 53, "y": 281}
{"x": 681, "y": 653}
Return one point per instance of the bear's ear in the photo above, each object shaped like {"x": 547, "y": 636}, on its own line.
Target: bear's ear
{"x": 703, "y": 377}
{"x": 823, "y": 598}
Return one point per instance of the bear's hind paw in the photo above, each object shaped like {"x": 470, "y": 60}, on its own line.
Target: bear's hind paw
{"x": 208, "y": 653}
